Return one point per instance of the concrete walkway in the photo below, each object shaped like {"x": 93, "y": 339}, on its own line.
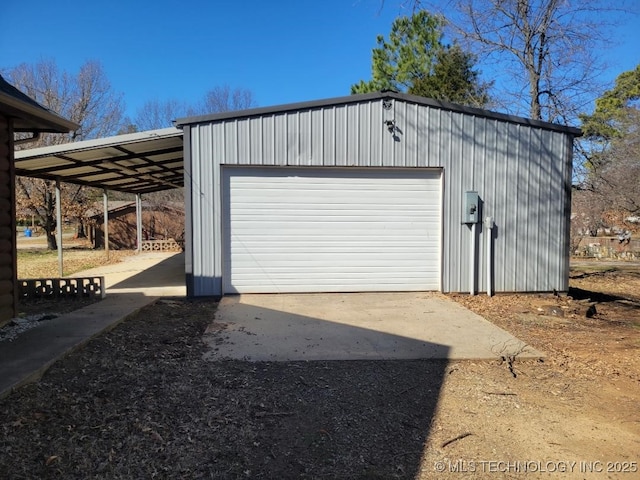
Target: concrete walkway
{"x": 355, "y": 326}
{"x": 132, "y": 284}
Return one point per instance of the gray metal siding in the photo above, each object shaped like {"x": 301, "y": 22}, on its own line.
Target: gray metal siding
{"x": 521, "y": 173}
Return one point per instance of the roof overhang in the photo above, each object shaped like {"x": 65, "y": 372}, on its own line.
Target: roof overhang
{"x": 140, "y": 162}
{"x": 28, "y": 115}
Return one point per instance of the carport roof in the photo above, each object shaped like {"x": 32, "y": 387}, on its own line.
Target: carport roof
{"x": 140, "y": 162}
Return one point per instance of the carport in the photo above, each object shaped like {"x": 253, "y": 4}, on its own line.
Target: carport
{"x": 137, "y": 163}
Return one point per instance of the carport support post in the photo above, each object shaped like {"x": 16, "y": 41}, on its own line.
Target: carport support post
{"x": 59, "y": 224}
{"x": 105, "y": 199}
{"x": 139, "y": 220}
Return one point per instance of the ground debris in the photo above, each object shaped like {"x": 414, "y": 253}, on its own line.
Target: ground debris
{"x": 455, "y": 439}
{"x": 141, "y": 402}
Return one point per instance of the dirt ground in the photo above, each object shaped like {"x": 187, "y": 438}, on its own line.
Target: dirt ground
{"x": 140, "y": 402}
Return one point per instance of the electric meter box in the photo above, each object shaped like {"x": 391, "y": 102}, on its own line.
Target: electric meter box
{"x": 471, "y": 208}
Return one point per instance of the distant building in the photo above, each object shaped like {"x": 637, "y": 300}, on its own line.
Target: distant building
{"x": 159, "y": 222}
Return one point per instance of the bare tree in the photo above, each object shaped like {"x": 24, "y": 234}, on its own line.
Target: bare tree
{"x": 161, "y": 113}
{"x": 85, "y": 98}
{"x": 156, "y": 114}
{"x": 546, "y": 51}
{"x": 224, "y": 99}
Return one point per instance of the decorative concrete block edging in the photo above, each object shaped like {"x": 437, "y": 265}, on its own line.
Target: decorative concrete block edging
{"x": 62, "y": 287}
{"x": 169, "y": 245}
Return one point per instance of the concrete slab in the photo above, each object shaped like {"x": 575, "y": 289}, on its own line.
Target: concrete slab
{"x": 354, "y": 326}
{"x": 155, "y": 273}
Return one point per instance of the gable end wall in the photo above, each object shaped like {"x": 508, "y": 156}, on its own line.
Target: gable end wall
{"x": 521, "y": 172}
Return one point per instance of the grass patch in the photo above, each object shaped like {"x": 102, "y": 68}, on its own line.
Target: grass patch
{"x": 42, "y": 263}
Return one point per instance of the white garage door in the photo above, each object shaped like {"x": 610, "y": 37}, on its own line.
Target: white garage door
{"x": 331, "y": 230}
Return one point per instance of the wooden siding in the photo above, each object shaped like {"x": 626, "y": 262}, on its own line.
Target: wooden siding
{"x": 8, "y": 292}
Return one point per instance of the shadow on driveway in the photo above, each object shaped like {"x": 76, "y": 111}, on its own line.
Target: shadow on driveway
{"x": 167, "y": 274}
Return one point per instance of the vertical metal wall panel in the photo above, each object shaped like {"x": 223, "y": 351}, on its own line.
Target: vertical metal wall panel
{"x": 521, "y": 172}
{"x": 317, "y": 134}
{"x": 294, "y": 138}
{"x": 230, "y": 142}
{"x": 242, "y": 139}
{"x": 364, "y": 133}
{"x": 280, "y": 138}
{"x": 352, "y": 136}
{"x": 341, "y": 159}
{"x": 568, "y": 180}
{"x": 268, "y": 144}
{"x": 205, "y": 255}
{"x": 410, "y": 137}
{"x": 189, "y": 192}
{"x": 329, "y": 137}
{"x": 258, "y": 144}
{"x": 304, "y": 156}
{"x": 397, "y": 134}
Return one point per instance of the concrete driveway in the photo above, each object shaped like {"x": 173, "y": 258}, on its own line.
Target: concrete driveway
{"x": 354, "y": 326}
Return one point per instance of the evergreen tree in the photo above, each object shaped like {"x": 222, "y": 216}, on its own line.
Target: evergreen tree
{"x": 415, "y": 60}
{"x": 453, "y": 79}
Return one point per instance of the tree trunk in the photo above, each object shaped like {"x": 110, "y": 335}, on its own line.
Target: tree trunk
{"x": 49, "y": 230}
{"x": 80, "y": 231}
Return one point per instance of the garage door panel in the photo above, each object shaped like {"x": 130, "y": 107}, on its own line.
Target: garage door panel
{"x": 328, "y": 263}
{"x": 319, "y": 250}
{"x": 306, "y": 230}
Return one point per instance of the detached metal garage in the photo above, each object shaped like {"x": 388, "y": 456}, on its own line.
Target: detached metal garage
{"x": 375, "y": 192}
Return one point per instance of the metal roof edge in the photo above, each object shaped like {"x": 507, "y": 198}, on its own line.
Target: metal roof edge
{"x": 576, "y": 132}
{"x": 99, "y": 142}
{"x": 253, "y": 112}
{"x": 489, "y": 114}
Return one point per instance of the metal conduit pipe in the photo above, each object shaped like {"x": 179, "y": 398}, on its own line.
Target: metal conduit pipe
{"x": 472, "y": 267}
{"x": 488, "y": 223}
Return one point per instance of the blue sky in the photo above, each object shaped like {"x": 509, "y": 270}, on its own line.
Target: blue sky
{"x": 283, "y": 51}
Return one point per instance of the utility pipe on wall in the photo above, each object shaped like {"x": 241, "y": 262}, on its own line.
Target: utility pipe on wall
{"x": 488, "y": 223}
{"x": 472, "y": 267}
